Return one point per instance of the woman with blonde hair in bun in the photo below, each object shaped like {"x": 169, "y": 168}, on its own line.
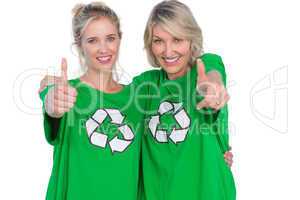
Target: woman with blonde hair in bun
{"x": 89, "y": 120}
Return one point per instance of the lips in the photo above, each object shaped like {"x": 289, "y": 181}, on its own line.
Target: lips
{"x": 104, "y": 59}
{"x": 171, "y": 60}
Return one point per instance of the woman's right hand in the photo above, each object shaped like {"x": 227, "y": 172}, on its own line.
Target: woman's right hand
{"x": 212, "y": 88}
{"x": 61, "y": 97}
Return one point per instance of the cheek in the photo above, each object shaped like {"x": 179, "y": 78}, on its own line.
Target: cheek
{"x": 87, "y": 50}
{"x": 156, "y": 49}
{"x": 117, "y": 47}
{"x": 114, "y": 47}
{"x": 185, "y": 49}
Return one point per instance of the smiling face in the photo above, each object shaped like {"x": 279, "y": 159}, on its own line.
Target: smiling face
{"x": 172, "y": 53}
{"x": 100, "y": 44}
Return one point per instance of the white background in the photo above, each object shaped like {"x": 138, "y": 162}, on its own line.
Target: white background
{"x": 259, "y": 44}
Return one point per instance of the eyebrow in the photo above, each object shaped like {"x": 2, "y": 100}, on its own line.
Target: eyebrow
{"x": 94, "y": 37}
{"x": 156, "y": 36}
{"x": 113, "y": 34}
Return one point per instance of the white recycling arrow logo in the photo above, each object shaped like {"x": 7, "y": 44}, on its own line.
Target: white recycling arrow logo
{"x": 101, "y": 139}
{"x": 182, "y": 118}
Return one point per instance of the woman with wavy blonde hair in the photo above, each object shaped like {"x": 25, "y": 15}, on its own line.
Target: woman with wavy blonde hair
{"x": 184, "y": 160}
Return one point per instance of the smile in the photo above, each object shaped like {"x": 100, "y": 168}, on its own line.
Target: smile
{"x": 171, "y": 60}
{"x": 104, "y": 59}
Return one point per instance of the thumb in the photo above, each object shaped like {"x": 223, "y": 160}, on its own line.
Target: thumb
{"x": 202, "y": 104}
{"x": 201, "y": 71}
{"x": 64, "y": 70}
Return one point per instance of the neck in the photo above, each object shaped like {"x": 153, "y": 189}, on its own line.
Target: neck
{"x": 100, "y": 80}
{"x": 179, "y": 74}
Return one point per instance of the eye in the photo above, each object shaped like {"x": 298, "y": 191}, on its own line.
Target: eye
{"x": 91, "y": 40}
{"x": 157, "y": 41}
{"x": 178, "y": 40}
{"x": 111, "y": 38}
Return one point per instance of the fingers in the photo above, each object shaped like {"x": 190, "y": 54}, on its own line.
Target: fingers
{"x": 228, "y": 156}
{"x": 62, "y": 101}
{"x": 49, "y": 80}
{"x": 211, "y": 98}
{"x": 201, "y": 71}
{"x": 202, "y": 104}
{"x": 65, "y": 93}
{"x": 64, "y": 104}
{"x": 66, "y": 89}
{"x": 210, "y": 102}
{"x": 211, "y": 88}
{"x": 58, "y": 111}
{"x": 59, "y": 100}
{"x": 60, "y": 96}
{"x": 64, "y": 70}
{"x": 229, "y": 163}
{"x": 223, "y": 102}
{"x": 215, "y": 96}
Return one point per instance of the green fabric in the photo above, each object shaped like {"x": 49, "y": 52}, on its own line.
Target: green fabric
{"x": 190, "y": 169}
{"x": 182, "y": 151}
{"x": 214, "y": 62}
{"x": 86, "y": 167}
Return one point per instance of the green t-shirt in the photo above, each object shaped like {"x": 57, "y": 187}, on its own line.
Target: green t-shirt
{"x": 96, "y": 146}
{"x": 182, "y": 148}
{"x": 89, "y": 165}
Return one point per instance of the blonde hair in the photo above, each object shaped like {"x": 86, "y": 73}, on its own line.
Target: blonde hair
{"x": 177, "y": 19}
{"x": 83, "y": 14}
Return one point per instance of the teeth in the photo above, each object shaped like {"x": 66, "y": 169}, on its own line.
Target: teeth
{"x": 171, "y": 60}
{"x": 104, "y": 58}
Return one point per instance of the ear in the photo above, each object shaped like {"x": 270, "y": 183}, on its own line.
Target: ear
{"x": 194, "y": 55}
{"x": 194, "y": 51}
{"x": 120, "y": 34}
{"x": 80, "y": 50}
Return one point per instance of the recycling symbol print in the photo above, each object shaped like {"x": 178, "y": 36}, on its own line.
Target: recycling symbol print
{"x": 177, "y": 134}
{"x": 101, "y": 139}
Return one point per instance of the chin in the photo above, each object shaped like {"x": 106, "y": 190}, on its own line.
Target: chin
{"x": 172, "y": 69}
{"x": 102, "y": 67}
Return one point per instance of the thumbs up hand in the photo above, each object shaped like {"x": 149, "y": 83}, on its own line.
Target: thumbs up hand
{"x": 51, "y": 80}
{"x": 60, "y": 98}
{"x": 211, "y": 87}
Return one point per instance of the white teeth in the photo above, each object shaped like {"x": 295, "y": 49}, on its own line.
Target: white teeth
{"x": 171, "y": 60}
{"x": 104, "y": 58}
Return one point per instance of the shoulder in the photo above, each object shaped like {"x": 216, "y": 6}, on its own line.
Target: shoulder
{"x": 150, "y": 75}
{"x": 74, "y": 82}
{"x": 211, "y": 57}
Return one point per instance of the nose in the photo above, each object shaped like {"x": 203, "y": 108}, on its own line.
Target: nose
{"x": 102, "y": 47}
{"x": 168, "y": 49}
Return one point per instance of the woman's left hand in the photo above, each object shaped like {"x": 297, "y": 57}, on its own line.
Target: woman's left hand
{"x": 211, "y": 87}
{"x": 228, "y": 156}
